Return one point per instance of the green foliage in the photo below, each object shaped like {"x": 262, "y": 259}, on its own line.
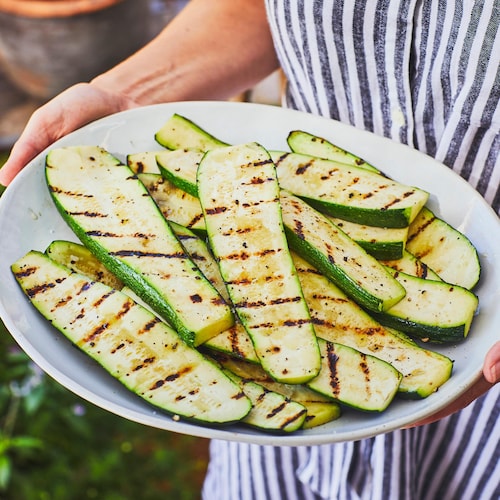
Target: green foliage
{"x": 55, "y": 446}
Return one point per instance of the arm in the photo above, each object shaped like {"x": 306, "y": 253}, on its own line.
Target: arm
{"x": 213, "y": 49}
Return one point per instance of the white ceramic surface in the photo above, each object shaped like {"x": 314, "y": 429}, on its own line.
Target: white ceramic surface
{"x": 29, "y": 220}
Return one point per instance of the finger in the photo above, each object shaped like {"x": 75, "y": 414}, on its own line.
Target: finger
{"x": 491, "y": 368}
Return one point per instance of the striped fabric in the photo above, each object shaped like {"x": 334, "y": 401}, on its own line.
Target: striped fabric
{"x": 426, "y": 73}
{"x": 423, "y": 72}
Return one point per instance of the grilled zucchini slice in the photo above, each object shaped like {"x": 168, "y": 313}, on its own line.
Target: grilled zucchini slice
{"x": 111, "y": 212}
{"x": 309, "y": 144}
{"x": 320, "y": 409}
{"x": 270, "y": 411}
{"x": 81, "y": 260}
{"x": 314, "y": 237}
{"x": 444, "y": 249}
{"x": 356, "y": 379}
{"x": 381, "y": 242}
{"x": 175, "y": 204}
{"x": 351, "y": 193}
{"x": 434, "y": 311}
{"x": 239, "y": 194}
{"x": 130, "y": 342}
{"x": 143, "y": 163}
{"x": 180, "y": 168}
{"x": 181, "y": 133}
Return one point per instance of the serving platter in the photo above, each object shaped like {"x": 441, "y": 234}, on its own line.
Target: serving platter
{"x": 29, "y": 220}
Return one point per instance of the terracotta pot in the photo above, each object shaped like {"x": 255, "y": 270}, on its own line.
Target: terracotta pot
{"x": 47, "y": 45}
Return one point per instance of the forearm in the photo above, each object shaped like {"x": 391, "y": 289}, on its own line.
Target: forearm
{"x": 214, "y": 49}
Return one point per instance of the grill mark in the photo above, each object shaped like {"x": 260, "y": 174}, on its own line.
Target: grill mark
{"x": 170, "y": 378}
{"x": 92, "y": 215}
{"x": 303, "y": 167}
{"x": 293, "y": 418}
{"x": 235, "y": 344}
{"x": 281, "y": 159}
{"x": 107, "y": 234}
{"x": 195, "y": 220}
{"x": 216, "y": 210}
{"x": 332, "y": 360}
{"x": 245, "y": 255}
{"x": 421, "y": 229}
{"x": 58, "y": 190}
{"x": 260, "y": 163}
{"x": 366, "y": 371}
{"x": 34, "y": 291}
{"x": 27, "y": 271}
{"x": 146, "y": 362}
{"x": 258, "y": 180}
{"x": 140, "y": 167}
{"x": 103, "y": 297}
{"x": 149, "y": 326}
{"x": 90, "y": 339}
{"x": 141, "y": 254}
{"x": 239, "y": 395}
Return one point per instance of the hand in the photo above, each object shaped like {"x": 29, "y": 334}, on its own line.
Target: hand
{"x": 490, "y": 376}
{"x": 66, "y": 112}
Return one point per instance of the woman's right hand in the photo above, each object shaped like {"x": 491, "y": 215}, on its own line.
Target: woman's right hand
{"x": 68, "y": 111}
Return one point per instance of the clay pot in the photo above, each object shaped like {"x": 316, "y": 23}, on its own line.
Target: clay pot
{"x": 48, "y": 45}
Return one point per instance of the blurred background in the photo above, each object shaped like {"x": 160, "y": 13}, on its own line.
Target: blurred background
{"x": 53, "y": 445}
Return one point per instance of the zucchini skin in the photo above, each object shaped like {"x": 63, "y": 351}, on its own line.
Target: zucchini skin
{"x": 245, "y": 231}
{"x": 130, "y": 342}
{"x": 114, "y": 216}
{"x": 380, "y": 242}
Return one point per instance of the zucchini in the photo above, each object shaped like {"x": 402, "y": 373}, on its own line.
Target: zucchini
{"x": 381, "y": 242}
{"x": 181, "y": 133}
{"x": 130, "y": 343}
{"x": 111, "y": 212}
{"x": 433, "y": 311}
{"x": 320, "y": 409}
{"x": 340, "y": 320}
{"x": 81, "y": 260}
{"x": 444, "y": 249}
{"x": 143, "y": 163}
{"x": 356, "y": 379}
{"x": 309, "y": 144}
{"x": 314, "y": 237}
{"x": 349, "y": 193}
{"x": 270, "y": 411}
{"x": 78, "y": 258}
{"x": 245, "y": 231}
{"x": 180, "y": 168}
{"x": 184, "y": 176}
{"x": 200, "y": 254}
{"x": 175, "y": 204}
{"x": 409, "y": 264}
